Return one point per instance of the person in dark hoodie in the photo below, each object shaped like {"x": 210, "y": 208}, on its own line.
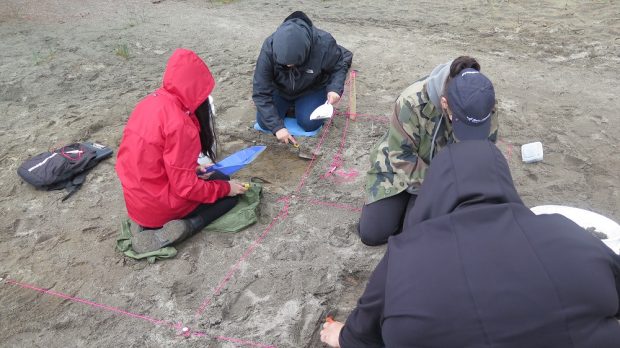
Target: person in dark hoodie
{"x": 163, "y": 185}
{"x": 474, "y": 267}
{"x": 299, "y": 66}
{"x": 421, "y": 126}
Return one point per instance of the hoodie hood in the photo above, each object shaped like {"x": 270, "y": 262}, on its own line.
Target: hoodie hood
{"x": 436, "y": 82}
{"x": 292, "y": 42}
{"x": 188, "y": 78}
{"x": 464, "y": 174}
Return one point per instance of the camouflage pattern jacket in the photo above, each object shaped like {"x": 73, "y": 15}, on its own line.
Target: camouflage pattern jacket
{"x": 400, "y": 160}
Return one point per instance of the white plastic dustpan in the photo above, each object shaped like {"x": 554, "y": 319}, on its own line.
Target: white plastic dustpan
{"x": 322, "y": 112}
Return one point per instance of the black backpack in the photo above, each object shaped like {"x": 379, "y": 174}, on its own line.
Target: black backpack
{"x": 64, "y": 168}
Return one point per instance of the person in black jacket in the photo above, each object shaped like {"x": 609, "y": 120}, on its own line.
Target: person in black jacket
{"x": 474, "y": 267}
{"x": 299, "y": 66}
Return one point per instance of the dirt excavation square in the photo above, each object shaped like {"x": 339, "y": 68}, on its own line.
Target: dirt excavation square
{"x": 74, "y": 70}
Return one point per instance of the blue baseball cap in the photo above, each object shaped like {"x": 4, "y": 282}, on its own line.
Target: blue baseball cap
{"x": 471, "y": 98}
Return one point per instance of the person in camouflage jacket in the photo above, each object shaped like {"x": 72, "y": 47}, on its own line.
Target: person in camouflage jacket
{"x": 419, "y": 128}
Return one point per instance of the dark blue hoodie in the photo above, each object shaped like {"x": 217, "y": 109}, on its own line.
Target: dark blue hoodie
{"x": 318, "y": 63}
{"x": 474, "y": 267}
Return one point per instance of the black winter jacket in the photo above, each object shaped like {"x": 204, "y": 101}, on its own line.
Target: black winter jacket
{"x": 319, "y": 63}
{"x": 474, "y": 267}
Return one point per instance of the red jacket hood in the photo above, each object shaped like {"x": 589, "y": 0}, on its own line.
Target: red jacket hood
{"x": 188, "y": 78}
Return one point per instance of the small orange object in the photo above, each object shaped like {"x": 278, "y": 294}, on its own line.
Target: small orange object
{"x": 247, "y": 186}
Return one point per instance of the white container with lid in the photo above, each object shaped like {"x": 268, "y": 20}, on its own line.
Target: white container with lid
{"x": 532, "y": 152}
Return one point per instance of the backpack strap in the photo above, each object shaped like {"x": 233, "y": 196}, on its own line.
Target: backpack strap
{"x": 74, "y": 185}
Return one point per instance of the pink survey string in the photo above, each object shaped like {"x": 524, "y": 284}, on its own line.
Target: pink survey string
{"x": 337, "y": 160}
{"x": 283, "y": 214}
{"x": 118, "y": 311}
{"x": 235, "y": 267}
{"x": 124, "y": 313}
{"x": 302, "y": 182}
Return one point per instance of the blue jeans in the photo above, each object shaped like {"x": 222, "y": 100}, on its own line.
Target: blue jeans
{"x": 304, "y": 106}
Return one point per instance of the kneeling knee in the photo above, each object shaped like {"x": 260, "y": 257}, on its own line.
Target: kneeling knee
{"x": 310, "y": 126}
{"x": 371, "y": 239}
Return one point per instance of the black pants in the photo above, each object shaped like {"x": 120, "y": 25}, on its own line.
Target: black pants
{"x": 384, "y": 218}
{"x": 206, "y": 213}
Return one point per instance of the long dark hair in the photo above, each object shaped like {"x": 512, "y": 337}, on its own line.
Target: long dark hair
{"x": 459, "y": 64}
{"x": 207, "y": 130}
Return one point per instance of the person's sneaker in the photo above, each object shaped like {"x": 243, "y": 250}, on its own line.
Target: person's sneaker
{"x": 151, "y": 240}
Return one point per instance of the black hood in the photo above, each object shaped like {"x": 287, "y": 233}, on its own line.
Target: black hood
{"x": 292, "y": 40}
{"x": 464, "y": 174}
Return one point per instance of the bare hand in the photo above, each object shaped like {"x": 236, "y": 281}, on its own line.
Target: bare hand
{"x": 201, "y": 170}
{"x": 333, "y": 98}
{"x": 236, "y": 188}
{"x": 330, "y": 333}
{"x": 284, "y": 136}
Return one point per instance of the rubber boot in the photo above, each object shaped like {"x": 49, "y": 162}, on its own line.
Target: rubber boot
{"x": 151, "y": 240}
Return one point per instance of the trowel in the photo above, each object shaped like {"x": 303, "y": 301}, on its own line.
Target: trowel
{"x": 302, "y": 153}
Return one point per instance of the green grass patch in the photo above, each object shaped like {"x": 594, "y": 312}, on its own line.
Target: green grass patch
{"x": 39, "y": 58}
{"x": 122, "y": 51}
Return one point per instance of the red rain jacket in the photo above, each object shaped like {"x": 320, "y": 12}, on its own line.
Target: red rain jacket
{"x": 157, "y": 158}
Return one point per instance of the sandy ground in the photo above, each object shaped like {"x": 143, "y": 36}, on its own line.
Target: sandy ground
{"x": 73, "y": 70}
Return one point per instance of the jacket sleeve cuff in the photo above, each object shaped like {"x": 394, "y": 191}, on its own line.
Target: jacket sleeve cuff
{"x": 335, "y": 89}
{"x": 226, "y": 189}
{"x": 277, "y": 129}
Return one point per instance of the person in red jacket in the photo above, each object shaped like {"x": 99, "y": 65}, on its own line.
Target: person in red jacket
{"x": 166, "y": 192}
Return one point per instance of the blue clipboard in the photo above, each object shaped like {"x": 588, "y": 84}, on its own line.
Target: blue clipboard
{"x": 237, "y": 160}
